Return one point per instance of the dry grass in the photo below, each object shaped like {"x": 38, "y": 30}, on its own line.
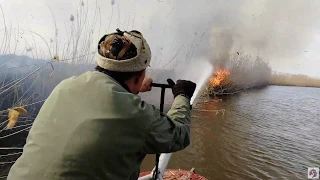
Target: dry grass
{"x": 284, "y": 79}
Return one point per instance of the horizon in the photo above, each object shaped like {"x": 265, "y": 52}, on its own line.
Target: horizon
{"x": 152, "y": 68}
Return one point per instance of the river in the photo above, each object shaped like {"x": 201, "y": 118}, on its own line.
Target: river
{"x": 271, "y": 133}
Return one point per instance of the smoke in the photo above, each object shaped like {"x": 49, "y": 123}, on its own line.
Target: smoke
{"x": 181, "y": 31}
{"x": 279, "y": 31}
{"x": 271, "y": 29}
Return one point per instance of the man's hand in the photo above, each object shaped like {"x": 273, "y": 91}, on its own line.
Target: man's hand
{"x": 182, "y": 87}
{"x": 146, "y": 85}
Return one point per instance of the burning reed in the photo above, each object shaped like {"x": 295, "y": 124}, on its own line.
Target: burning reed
{"x": 242, "y": 72}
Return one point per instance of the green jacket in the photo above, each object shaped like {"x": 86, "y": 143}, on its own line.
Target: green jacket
{"x": 91, "y": 127}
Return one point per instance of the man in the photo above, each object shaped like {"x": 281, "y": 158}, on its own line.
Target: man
{"x": 95, "y": 126}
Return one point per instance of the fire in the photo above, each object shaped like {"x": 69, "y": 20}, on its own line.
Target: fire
{"x": 220, "y": 77}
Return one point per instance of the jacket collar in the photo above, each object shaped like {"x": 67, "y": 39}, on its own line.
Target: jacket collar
{"x": 117, "y": 81}
{"x": 123, "y": 85}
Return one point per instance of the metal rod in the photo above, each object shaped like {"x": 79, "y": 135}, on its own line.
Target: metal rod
{"x": 164, "y": 158}
{"x": 160, "y": 85}
{"x": 11, "y": 148}
{"x": 146, "y": 177}
{"x": 163, "y": 90}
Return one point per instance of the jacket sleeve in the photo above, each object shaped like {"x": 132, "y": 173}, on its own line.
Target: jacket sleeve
{"x": 171, "y": 132}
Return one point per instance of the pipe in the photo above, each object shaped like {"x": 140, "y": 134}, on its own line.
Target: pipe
{"x": 160, "y": 85}
{"x": 147, "y": 177}
{"x": 163, "y": 163}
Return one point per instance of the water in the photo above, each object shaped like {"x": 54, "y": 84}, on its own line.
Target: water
{"x": 197, "y": 71}
{"x": 206, "y": 73}
{"x": 272, "y": 133}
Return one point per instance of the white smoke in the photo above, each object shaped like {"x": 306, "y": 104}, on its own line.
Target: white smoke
{"x": 275, "y": 30}
{"x": 272, "y": 29}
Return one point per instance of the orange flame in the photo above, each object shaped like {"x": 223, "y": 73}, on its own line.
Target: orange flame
{"x": 220, "y": 77}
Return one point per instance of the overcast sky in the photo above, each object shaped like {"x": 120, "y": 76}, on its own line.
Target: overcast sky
{"x": 285, "y": 32}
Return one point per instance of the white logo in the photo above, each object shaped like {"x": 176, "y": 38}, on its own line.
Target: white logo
{"x": 313, "y": 173}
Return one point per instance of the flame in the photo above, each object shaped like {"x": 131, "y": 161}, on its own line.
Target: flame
{"x": 220, "y": 77}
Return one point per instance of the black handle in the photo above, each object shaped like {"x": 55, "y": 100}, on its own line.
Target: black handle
{"x": 163, "y": 89}
{"x": 160, "y": 85}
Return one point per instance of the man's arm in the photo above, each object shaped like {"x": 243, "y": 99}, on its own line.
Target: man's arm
{"x": 171, "y": 132}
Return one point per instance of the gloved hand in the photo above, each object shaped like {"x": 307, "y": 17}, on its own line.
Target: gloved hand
{"x": 182, "y": 87}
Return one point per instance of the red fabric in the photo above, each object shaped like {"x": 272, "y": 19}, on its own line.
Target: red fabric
{"x": 174, "y": 174}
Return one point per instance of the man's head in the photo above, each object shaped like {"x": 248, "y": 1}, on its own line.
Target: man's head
{"x": 125, "y": 57}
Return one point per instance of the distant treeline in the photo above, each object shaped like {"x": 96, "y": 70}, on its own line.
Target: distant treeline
{"x": 285, "y": 79}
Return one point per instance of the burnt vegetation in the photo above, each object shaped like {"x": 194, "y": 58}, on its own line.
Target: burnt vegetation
{"x": 243, "y": 72}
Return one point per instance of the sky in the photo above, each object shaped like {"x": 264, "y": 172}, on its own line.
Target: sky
{"x": 286, "y": 32}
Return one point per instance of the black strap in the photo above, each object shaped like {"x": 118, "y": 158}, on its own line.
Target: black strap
{"x": 156, "y": 171}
